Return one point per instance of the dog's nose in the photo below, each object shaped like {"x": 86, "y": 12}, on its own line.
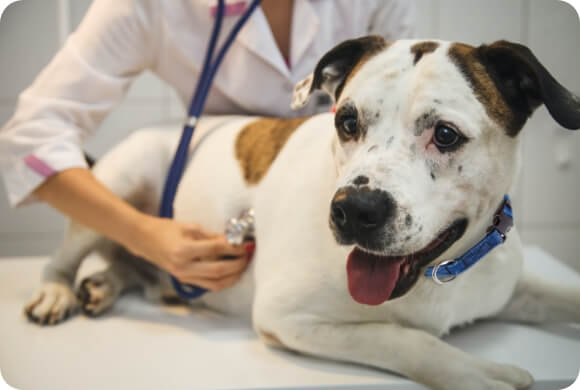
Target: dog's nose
{"x": 356, "y": 211}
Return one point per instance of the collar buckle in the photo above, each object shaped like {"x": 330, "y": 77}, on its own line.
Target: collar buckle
{"x": 502, "y": 220}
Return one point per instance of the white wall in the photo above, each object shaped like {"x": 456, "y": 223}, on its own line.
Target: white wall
{"x": 547, "y": 202}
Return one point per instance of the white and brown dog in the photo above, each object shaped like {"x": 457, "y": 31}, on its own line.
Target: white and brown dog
{"x": 352, "y": 207}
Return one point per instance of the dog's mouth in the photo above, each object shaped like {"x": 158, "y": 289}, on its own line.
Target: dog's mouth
{"x": 374, "y": 279}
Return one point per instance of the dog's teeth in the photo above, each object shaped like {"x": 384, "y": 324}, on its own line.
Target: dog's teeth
{"x": 406, "y": 269}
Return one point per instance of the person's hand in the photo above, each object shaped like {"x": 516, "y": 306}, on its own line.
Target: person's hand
{"x": 190, "y": 254}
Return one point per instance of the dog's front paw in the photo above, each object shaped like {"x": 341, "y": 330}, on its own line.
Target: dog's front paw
{"x": 491, "y": 376}
{"x": 53, "y": 303}
{"x": 96, "y": 294}
{"x": 511, "y": 376}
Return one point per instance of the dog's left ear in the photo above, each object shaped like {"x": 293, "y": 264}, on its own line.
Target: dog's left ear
{"x": 334, "y": 67}
{"x": 525, "y": 83}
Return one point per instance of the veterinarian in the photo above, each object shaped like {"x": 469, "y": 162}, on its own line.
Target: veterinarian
{"x": 41, "y": 153}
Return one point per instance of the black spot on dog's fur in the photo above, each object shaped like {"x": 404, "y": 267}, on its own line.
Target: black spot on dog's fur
{"x": 408, "y": 220}
{"x": 425, "y": 121}
{"x": 460, "y": 168}
{"x": 432, "y": 176}
{"x": 390, "y": 140}
{"x": 91, "y": 161}
{"x": 361, "y": 180}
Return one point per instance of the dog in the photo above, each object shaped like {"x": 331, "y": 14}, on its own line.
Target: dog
{"x": 352, "y": 207}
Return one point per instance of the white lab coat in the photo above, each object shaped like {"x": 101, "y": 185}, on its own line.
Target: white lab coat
{"x": 118, "y": 39}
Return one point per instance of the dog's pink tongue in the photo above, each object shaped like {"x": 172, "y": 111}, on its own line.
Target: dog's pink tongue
{"x": 371, "y": 280}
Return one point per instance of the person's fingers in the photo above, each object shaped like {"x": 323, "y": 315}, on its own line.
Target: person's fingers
{"x": 198, "y": 233}
{"x": 215, "y": 248}
{"x": 214, "y": 284}
{"x": 195, "y": 232}
{"x": 214, "y": 269}
{"x": 211, "y": 235}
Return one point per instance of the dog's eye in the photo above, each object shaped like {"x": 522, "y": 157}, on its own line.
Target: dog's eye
{"x": 446, "y": 137}
{"x": 346, "y": 122}
{"x": 349, "y": 126}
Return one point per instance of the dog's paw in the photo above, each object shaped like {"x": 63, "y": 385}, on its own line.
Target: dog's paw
{"x": 478, "y": 375}
{"x": 53, "y": 303}
{"x": 489, "y": 376}
{"x": 511, "y": 377}
{"x": 96, "y": 294}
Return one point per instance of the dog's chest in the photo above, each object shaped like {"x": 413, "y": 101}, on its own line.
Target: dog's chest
{"x": 320, "y": 288}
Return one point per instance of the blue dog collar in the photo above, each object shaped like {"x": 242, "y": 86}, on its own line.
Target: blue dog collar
{"x": 448, "y": 270}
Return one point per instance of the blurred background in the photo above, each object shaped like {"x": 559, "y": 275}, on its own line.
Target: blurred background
{"x": 547, "y": 200}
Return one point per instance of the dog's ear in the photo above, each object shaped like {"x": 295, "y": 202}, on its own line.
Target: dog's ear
{"x": 334, "y": 67}
{"x": 525, "y": 84}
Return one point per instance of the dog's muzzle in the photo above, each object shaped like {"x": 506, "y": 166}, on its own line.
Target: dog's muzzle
{"x": 360, "y": 215}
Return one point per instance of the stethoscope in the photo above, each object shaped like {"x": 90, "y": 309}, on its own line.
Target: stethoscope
{"x": 210, "y": 67}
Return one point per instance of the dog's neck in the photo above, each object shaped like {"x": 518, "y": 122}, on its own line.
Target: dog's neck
{"x": 477, "y": 231}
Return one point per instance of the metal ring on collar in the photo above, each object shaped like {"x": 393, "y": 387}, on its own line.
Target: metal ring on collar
{"x": 436, "y": 268}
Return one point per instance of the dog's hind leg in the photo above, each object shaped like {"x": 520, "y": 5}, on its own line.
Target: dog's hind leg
{"x": 55, "y": 300}
{"x": 537, "y": 300}
{"x": 98, "y": 292}
{"x": 134, "y": 171}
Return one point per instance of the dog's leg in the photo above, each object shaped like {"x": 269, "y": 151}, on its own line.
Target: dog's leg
{"x": 134, "y": 171}
{"x": 98, "y": 292}
{"x": 410, "y": 352}
{"x": 537, "y": 300}
{"x": 55, "y": 300}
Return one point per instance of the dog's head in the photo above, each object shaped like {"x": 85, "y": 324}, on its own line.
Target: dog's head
{"x": 426, "y": 147}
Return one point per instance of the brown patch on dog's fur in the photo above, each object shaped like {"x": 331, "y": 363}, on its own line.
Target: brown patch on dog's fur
{"x": 372, "y": 50}
{"x": 420, "y": 48}
{"x": 259, "y": 142}
{"x": 465, "y": 58}
{"x": 270, "y": 339}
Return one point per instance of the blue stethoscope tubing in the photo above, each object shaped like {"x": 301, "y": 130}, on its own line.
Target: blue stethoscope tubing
{"x": 210, "y": 67}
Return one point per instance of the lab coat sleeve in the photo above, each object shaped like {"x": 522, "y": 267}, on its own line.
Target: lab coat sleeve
{"x": 69, "y": 99}
{"x": 394, "y": 19}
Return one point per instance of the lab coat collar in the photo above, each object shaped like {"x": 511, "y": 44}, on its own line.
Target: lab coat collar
{"x": 257, "y": 37}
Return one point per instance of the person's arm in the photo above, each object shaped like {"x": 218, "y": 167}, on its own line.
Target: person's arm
{"x": 184, "y": 250}
{"x": 68, "y": 100}
{"x": 41, "y": 146}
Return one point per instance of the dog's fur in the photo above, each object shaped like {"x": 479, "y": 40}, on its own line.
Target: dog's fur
{"x": 296, "y": 289}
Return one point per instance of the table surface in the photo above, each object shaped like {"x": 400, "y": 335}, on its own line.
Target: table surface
{"x": 142, "y": 345}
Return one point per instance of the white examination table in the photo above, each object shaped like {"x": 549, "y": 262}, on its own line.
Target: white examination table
{"x": 141, "y": 346}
